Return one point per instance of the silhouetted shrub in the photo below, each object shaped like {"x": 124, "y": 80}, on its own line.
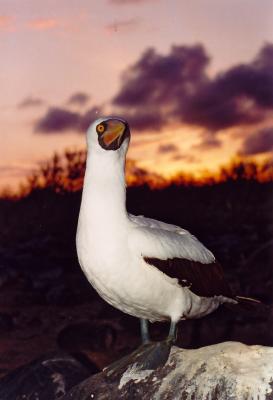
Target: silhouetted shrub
{"x": 65, "y": 173}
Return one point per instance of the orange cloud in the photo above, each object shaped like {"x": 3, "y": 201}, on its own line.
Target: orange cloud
{"x": 43, "y": 24}
{"x": 6, "y": 23}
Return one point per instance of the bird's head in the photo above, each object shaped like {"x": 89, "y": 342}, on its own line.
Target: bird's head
{"x": 109, "y": 133}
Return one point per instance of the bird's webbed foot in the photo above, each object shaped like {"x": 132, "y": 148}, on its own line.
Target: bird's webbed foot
{"x": 118, "y": 367}
{"x": 155, "y": 354}
{"x": 148, "y": 356}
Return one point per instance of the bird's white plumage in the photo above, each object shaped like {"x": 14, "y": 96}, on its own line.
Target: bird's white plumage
{"x": 157, "y": 239}
{"x": 111, "y": 246}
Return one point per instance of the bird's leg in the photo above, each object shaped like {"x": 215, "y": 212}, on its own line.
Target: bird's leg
{"x": 172, "y": 336}
{"x": 150, "y": 355}
{"x": 144, "y": 328}
{"x": 139, "y": 356}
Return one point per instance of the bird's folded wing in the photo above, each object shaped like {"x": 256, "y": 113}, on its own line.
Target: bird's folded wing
{"x": 153, "y": 238}
{"x": 140, "y": 220}
{"x": 180, "y": 256}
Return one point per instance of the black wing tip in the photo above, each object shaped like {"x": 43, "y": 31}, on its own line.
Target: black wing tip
{"x": 248, "y": 300}
{"x": 205, "y": 280}
{"x": 250, "y": 307}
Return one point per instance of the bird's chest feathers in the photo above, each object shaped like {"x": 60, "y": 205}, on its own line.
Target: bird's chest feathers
{"x": 102, "y": 236}
{"x": 102, "y": 248}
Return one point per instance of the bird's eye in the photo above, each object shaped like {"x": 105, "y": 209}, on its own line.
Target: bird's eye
{"x": 100, "y": 128}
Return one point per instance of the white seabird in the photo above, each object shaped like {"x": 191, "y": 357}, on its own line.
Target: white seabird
{"x": 146, "y": 268}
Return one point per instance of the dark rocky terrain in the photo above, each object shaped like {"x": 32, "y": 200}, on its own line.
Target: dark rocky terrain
{"x": 47, "y": 378}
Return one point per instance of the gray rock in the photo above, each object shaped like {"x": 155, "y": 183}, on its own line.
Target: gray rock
{"x": 225, "y": 371}
{"x": 47, "y": 378}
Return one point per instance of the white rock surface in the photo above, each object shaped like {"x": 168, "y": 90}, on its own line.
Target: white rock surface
{"x": 225, "y": 371}
{"x": 245, "y": 371}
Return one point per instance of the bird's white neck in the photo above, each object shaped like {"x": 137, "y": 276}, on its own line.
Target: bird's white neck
{"x": 104, "y": 192}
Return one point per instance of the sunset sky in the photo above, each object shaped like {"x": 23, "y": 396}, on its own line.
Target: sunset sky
{"x": 194, "y": 79}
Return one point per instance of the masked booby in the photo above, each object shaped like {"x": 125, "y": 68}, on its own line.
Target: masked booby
{"x": 146, "y": 268}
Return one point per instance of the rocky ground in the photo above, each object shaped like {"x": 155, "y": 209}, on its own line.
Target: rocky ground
{"x": 224, "y": 371}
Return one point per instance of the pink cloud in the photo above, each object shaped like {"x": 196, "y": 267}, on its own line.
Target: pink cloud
{"x": 6, "y": 23}
{"x": 43, "y": 24}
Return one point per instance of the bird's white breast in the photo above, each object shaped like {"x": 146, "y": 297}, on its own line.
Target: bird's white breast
{"x": 123, "y": 279}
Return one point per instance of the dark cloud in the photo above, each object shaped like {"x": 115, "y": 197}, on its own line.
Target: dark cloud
{"x": 128, "y": 2}
{"x": 78, "y": 98}
{"x": 142, "y": 120}
{"x": 164, "y": 88}
{"x": 167, "y": 148}
{"x": 189, "y": 158}
{"x": 155, "y": 83}
{"x": 177, "y": 87}
{"x": 156, "y": 80}
{"x": 240, "y": 95}
{"x": 58, "y": 120}
{"x": 259, "y": 142}
{"x": 89, "y": 116}
{"x": 123, "y": 25}
{"x": 208, "y": 141}
{"x": 30, "y": 101}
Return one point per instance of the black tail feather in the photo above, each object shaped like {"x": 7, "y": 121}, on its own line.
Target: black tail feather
{"x": 250, "y": 307}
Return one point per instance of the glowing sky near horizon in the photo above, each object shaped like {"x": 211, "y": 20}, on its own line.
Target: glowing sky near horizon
{"x": 52, "y": 50}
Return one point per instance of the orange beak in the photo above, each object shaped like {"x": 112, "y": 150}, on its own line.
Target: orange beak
{"x": 115, "y": 130}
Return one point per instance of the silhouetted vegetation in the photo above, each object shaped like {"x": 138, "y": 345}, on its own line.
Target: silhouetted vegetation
{"x": 65, "y": 173}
